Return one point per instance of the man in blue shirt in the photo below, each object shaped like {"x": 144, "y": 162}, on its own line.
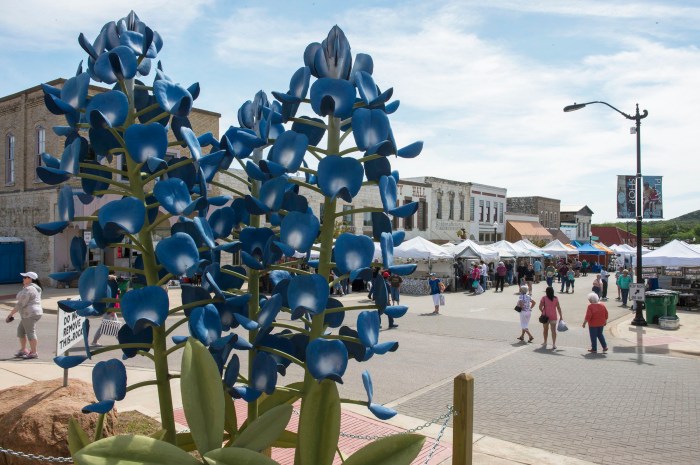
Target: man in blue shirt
{"x": 538, "y": 270}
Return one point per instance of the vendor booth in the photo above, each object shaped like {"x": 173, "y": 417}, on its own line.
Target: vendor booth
{"x": 677, "y": 265}
{"x": 430, "y": 258}
{"x": 557, "y": 248}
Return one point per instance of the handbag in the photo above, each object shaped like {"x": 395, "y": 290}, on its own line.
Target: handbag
{"x": 110, "y": 327}
{"x": 561, "y": 326}
{"x": 475, "y": 284}
{"x": 544, "y": 318}
{"x": 442, "y": 299}
{"x": 518, "y": 309}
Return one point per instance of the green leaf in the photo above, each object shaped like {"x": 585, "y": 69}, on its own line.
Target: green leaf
{"x": 77, "y": 438}
{"x": 400, "y": 449}
{"x": 130, "y": 449}
{"x": 202, "y": 396}
{"x": 185, "y": 442}
{"x": 237, "y": 456}
{"x": 319, "y": 424}
{"x": 281, "y": 397}
{"x": 159, "y": 435}
{"x": 230, "y": 418}
{"x": 287, "y": 440}
{"x": 265, "y": 429}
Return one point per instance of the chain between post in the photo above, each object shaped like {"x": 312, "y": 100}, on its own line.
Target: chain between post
{"x": 27, "y": 456}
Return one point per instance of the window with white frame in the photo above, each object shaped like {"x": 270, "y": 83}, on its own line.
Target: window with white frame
{"x": 500, "y": 218}
{"x": 348, "y": 218}
{"x": 472, "y": 207}
{"x": 40, "y": 144}
{"x": 10, "y": 159}
{"x": 461, "y": 207}
{"x": 451, "y": 210}
{"x": 481, "y": 211}
{"x": 367, "y": 220}
{"x": 438, "y": 208}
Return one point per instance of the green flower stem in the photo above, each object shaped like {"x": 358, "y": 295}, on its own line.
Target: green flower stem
{"x": 110, "y": 191}
{"x": 290, "y": 269}
{"x": 174, "y": 166}
{"x": 116, "y": 150}
{"x": 175, "y": 348}
{"x": 233, "y": 273}
{"x": 94, "y": 177}
{"x": 369, "y": 158}
{"x": 295, "y": 328}
{"x": 279, "y": 353}
{"x": 299, "y": 182}
{"x": 355, "y": 307}
{"x": 132, "y": 345}
{"x": 350, "y": 150}
{"x": 344, "y": 338}
{"x": 314, "y": 152}
{"x": 308, "y": 122}
{"x": 165, "y": 398}
{"x": 143, "y": 249}
{"x": 118, "y": 136}
{"x": 108, "y": 169}
{"x": 85, "y": 218}
{"x": 147, "y": 109}
{"x": 359, "y": 210}
{"x": 198, "y": 303}
{"x": 353, "y": 401}
{"x": 163, "y": 218}
{"x": 304, "y": 169}
{"x": 158, "y": 118}
{"x": 235, "y": 176}
{"x": 177, "y": 324}
{"x": 124, "y": 269}
{"x": 253, "y": 286}
{"x": 165, "y": 279}
{"x": 338, "y": 279}
{"x": 345, "y": 135}
{"x": 227, "y": 188}
{"x": 99, "y": 426}
{"x": 141, "y": 384}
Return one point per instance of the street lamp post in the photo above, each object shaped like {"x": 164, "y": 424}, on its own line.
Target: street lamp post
{"x": 495, "y": 231}
{"x": 637, "y": 118}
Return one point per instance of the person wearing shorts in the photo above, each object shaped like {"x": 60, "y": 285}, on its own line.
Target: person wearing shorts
{"x": 29, "y": 308}
{"x": 435, "y": 291}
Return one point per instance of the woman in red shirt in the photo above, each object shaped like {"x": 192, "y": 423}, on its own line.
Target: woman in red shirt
{"x": 596, "y": 317}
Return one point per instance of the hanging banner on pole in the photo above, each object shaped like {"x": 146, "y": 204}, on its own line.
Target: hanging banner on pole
{"x": 652, "y": 207}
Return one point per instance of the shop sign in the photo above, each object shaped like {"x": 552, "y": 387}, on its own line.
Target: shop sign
{"x": 675, "y": 271}
{"x": 650, "y": 272}
{"x": 691, "y": 270}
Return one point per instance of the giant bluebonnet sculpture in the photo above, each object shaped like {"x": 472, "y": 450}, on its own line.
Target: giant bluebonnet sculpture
{"x": 229, "y": 312}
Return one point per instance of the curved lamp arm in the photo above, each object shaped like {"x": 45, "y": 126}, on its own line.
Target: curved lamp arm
{"x": 578, "y": 106}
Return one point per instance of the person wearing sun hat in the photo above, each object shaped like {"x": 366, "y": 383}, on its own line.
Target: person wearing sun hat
{"x": 29, "y": 308}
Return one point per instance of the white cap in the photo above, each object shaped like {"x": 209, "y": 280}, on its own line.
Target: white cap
{"x": 30, "y": 274}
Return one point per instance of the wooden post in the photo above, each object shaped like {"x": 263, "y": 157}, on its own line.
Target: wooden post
{"x": 463, "y": 422}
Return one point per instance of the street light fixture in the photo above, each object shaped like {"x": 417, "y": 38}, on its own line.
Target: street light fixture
{"x": 495, "y": 231}
{"x": 637, "y": 118}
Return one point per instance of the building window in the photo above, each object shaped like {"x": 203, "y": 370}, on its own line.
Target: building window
{"x": 348, "y": 218}
{"x": 481, "y": 211}
{"x": 451, "y": 211}
{"x": 408, "y": 221}
{"x": 367, "y": 220}
{"x": 10, "y": 160}
{"x": 461, "y": 208}
{"x": 40, "y": 145}
{"x": 500, "y": 218}
{"x": 471, "y": 208}
{"x": 438, "y": 212}
{"x": 488, "y": 211}
{"x": 495, "y": 211}
{"x": 422, "y": 214}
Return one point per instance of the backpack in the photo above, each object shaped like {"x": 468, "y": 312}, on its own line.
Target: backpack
{"x": 570, "y": 275}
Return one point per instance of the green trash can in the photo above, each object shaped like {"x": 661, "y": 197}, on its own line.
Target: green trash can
{"x": 655, "y": 303}
{"x": 672, "y": 298}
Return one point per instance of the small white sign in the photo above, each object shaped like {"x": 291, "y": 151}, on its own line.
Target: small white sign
{"x": 637, "y": 291}
{"x": 70, "y": 330}
{"x": 87, "y": 236}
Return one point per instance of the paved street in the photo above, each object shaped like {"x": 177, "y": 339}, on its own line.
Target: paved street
{"x": 626, "y": 407}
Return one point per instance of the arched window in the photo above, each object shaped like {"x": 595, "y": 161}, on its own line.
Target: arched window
{"x": 10, "y": 159}
{"x": 40, "y": 144}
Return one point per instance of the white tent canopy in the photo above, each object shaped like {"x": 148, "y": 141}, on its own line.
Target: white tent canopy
{"x": 675, "y": 253}
{"x": 556, "y": 247}
{"x": 470, "y": 249}
{"x": 422, "y": 249}
{"x": 505, "y": 249}
{"x": 527, "y": 249}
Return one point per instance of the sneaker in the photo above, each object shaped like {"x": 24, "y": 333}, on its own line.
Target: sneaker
{"x": 605, "y": 349}
{"x": 21, "y": 353}
{"x": 31, "y": 355}
{"x": 594, "y": 351}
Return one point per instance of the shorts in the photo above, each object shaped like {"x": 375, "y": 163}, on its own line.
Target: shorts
{"x": 436, "y": 299}
{"x": 27, "y": 327}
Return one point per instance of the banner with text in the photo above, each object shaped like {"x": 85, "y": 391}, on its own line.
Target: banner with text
{"x": 652, "y": 207}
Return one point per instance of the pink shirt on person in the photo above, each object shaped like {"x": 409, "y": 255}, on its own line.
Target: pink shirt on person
{"x": 550, "y": 308}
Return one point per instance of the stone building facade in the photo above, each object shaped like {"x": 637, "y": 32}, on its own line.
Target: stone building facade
{"x": 576, "y": 222}
{"x": 26, "y": 131}
{"x": 546, "y": 209}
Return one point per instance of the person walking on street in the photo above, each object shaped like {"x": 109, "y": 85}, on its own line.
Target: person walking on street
{"x": 538, "y": 271}
{"x": 525, "y": 303}
{"x": 484, "y": 275}
{"x": 597, "y": 285}
{"x": 618, "y": 273}
{"x": 509, "y": 272}
{"x": 436, "y": 288}
{"x": 29, "y": 308}
{"x": 584, "y": 267}
{"x": 623, "y": 282}
{"x": 476, "y": 278}
{"x": 395, "y": 288}
{"x": 500, "y": 276}
{"x": 596, "y": 317}
{"x": 375, "y": 272}
{"x": 529, "y": 278}
{"x": 563, "y": 270}
{"x": 604, "y": 280}
{"x": 549, "y": 306}
{"x": 549, "y": 273}
{"x": 570, "y": 280}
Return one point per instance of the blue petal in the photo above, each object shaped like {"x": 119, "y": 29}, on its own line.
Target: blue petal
{"x": 91, "y": 185}
{"x": 289, "y": 150}
{"x": 388, "y": 192}
{"x": 73, "y": 305}
{"x": 112, "y": 107}
{"x": 385, "y": 347}
{"x": 411, "y": 151}
{"x": 403, "y": 270}
{"x": 368, "y": 327}
{"x": 387, "y": 244}
{"x": 191, "y": 293}
{"x": 51, "y": 229}
{"x": 66, "y": 206}
{"x": 333, "y": 319}
{"x": 300, "y": 230}
{"x": 340, "y": 176}
{"x": 308, "y": 292}
{"x": 99, "y": 407}
{"x": 332, "y": 97}
{"x": 245, "y": 393}
{"x": 205, "y": 324}
{"x": 205, "y": 231}
{"x": 381, "y": 293}
{"x": 366, "y": 87}
{"x": 221, "y": 222}
{"x": 381, "y": 412}
{"x": 65, "y": 276}
{"x": 145, "y": 307}
{"x": 78, "y": 253}
{"x": 396, "y": 311}
{"x": 272, "y": 193}
{"x": 122, "y": 216}
{"x": 102, "y": 141}
{"x": 144, "y": 141}
{"x": 326, "y": 359}
{"x": 353, "y": 252}
{"x": 232, "y": 369}
{"x": 255, "y": 239}
{"x": 69, "y": 361}
{"x": 369, "y": 127}
{"x": 75, "y": 90}
{"x": 264, "y": 373}
{"x": 380, "y": 224}
{"x": 313, "y": 133}
{"x": 173, "y": 98}
{"x": 173, "y": 195}
{"x": 93, "y": 284}
{"x": 109, "y": 380}
{"x": 398, "y": 237}
{"x": 246, "y": 323}
{"x": 404, "y": 211}
{"x": 127, "y": 336}
{"x": 102, "y": 239}
{"x": 211, "y": 163}
{"x": 369, "y": 387}
{"x": 179, "y": 339}
{"x": 375, "y": 169}
{"x": 269, "y": 310}
{"x": 250, "y": 261}
{"x": 177, "y": 253}
{"x": 118, "y": 63}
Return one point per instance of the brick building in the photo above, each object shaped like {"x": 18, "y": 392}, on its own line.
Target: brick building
{"x": 26, "y": 130}
{"x": 544, "y": 208}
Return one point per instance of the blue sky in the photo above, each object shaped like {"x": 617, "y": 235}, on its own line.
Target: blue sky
{"x": 483, "y": 84}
